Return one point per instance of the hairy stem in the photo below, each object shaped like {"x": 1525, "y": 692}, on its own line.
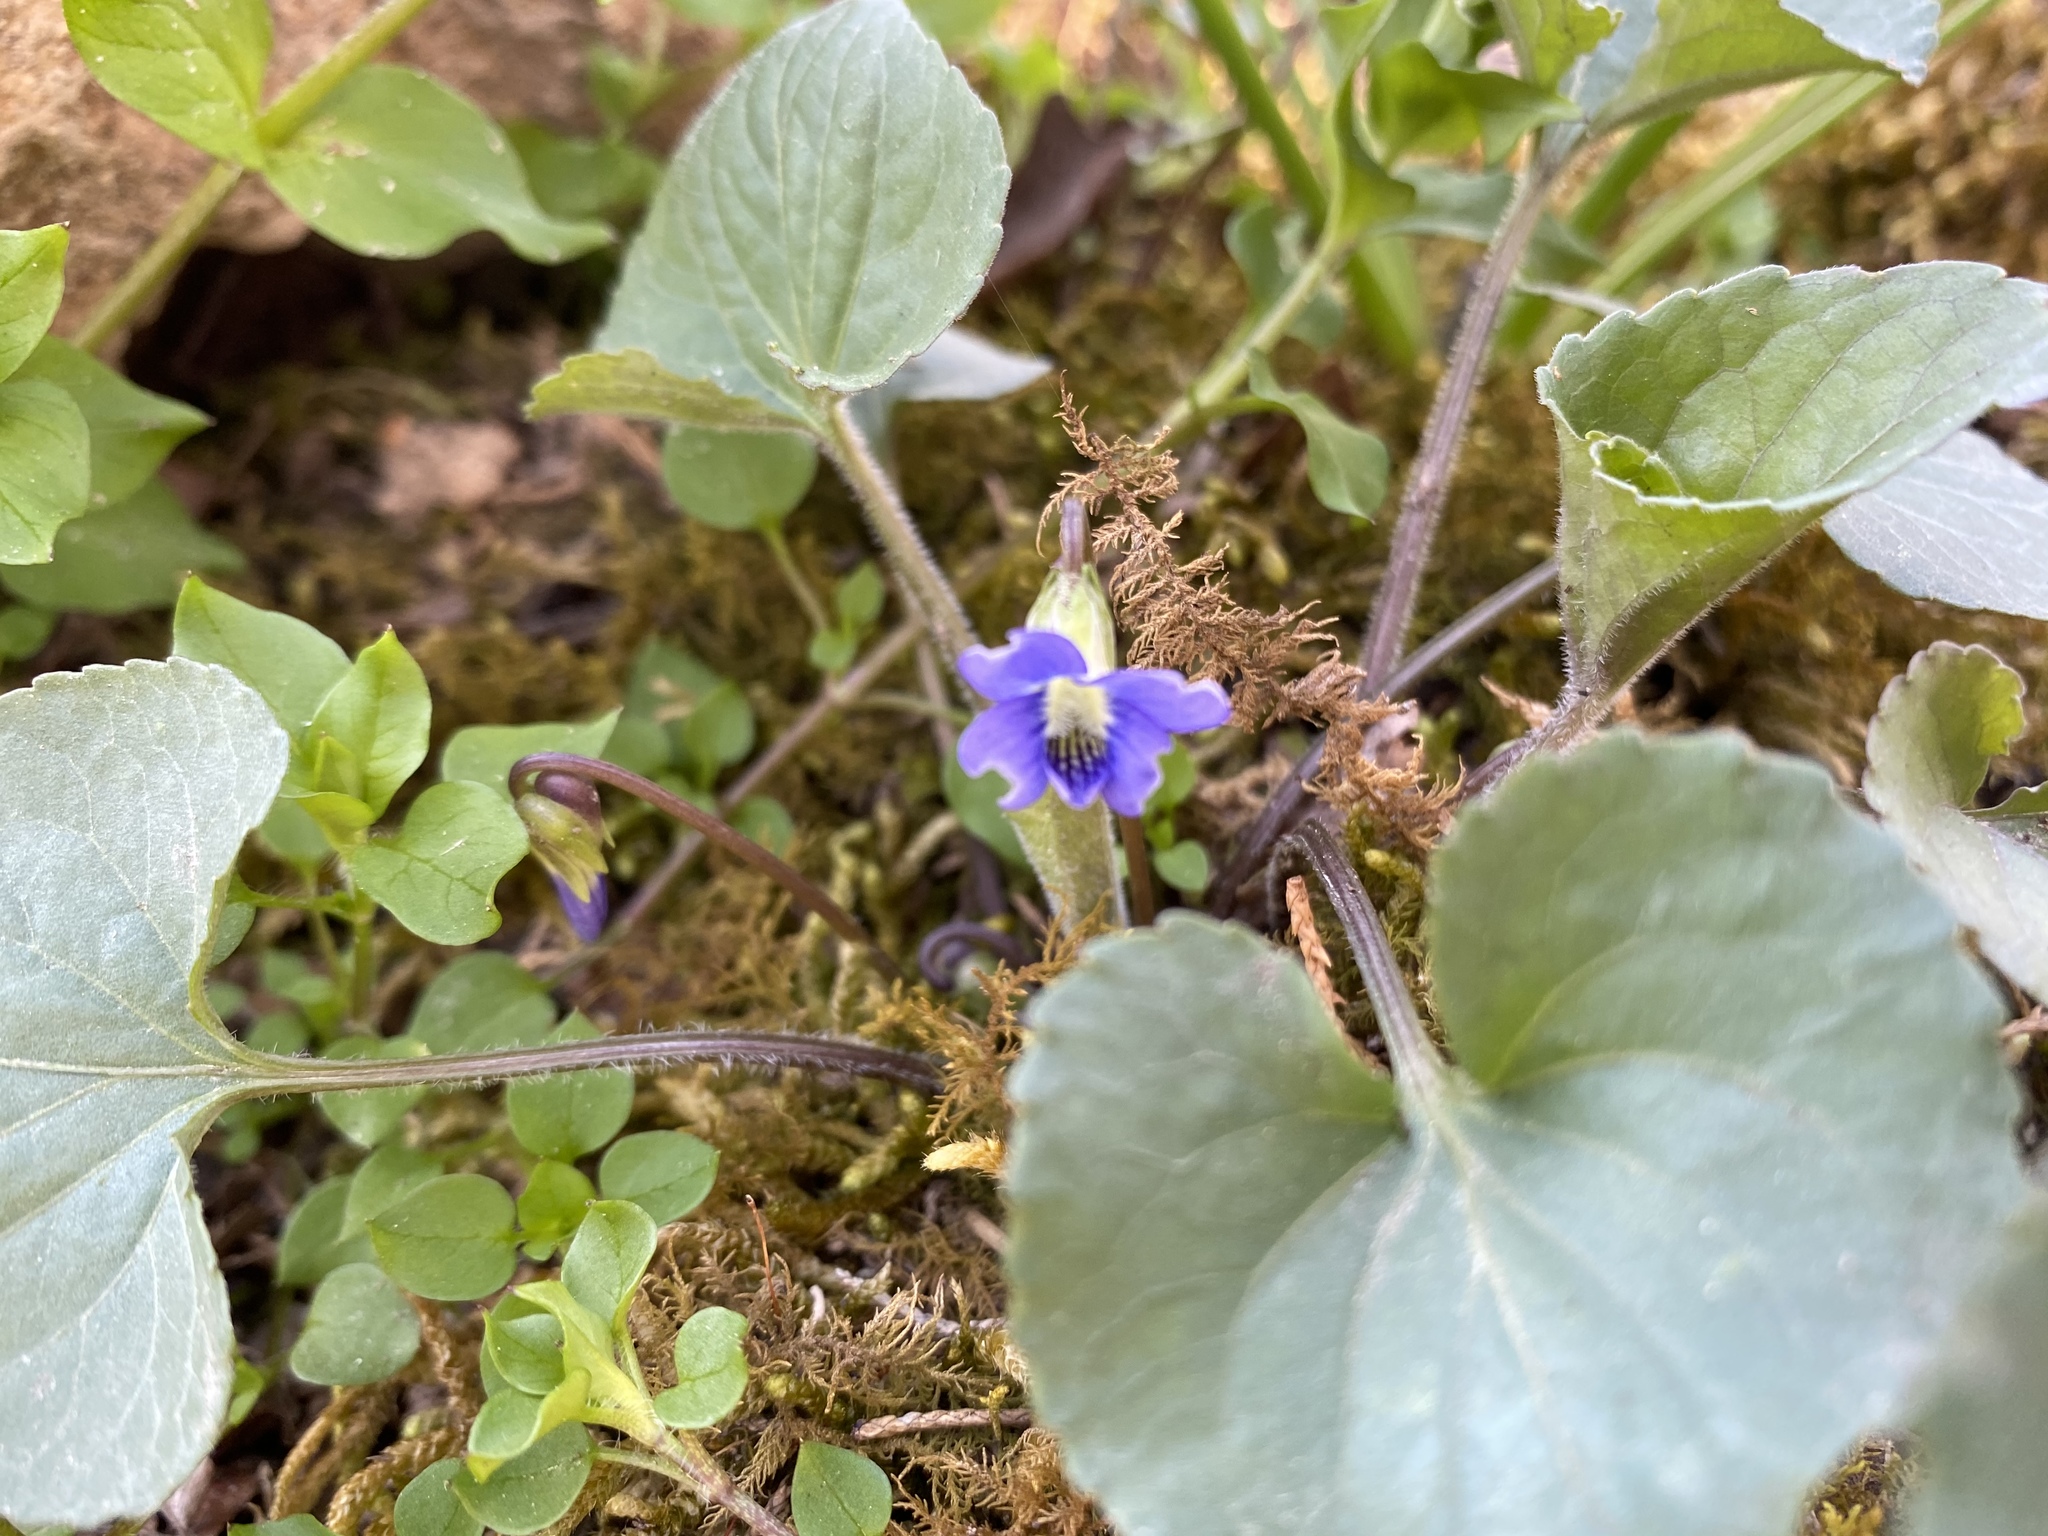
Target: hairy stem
{"x": 835, "y": 695}
{"x": 154, "y": 267}
{"x": 1285, "y": 801}
{"x": 917, "y": 573}
{"x": 682, "y": 1458}
{"x": 1418, "y": 1065}
{"x": 1436, "y": 459}
{"x": 806, "y": 892}
{"x": 817, "y": 1053}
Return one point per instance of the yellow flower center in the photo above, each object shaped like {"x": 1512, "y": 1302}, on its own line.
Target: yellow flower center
{"x": 1076, "y": 727}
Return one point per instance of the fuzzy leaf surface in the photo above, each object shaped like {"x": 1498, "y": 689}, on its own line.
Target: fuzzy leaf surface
{"x": 1674, "y": 54}
{"x": 125, "y": 794}
{"x": 1699, "y": 438}
{"x": 1934, "y": 734}
{"x": 396, "y": 164}
{"x": 194, "y": 66}
{"x": 1978, "y": 1428}
{"x": 1614, "y": 1274}
{"x": 1965, "y": 525}
{"x": 824, "y": 220}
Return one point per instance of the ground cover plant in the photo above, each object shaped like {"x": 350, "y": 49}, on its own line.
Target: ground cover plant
{"x": 1142, "y": 1052}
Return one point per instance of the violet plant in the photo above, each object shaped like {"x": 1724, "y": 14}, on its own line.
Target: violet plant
{"x": 1678, "y": 1184}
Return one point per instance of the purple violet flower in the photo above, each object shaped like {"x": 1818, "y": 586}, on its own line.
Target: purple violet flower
{"x": 586, "y": 918}
{"x": 1048, "y": 721}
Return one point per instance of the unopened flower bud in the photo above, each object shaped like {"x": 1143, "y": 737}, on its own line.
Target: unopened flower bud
{"x": 1072, "y": 602}
{"x": 565, "y": 830}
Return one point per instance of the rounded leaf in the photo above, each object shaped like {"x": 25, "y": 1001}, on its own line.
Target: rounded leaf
{"x": 607, "y": 1257}
{"x": 838, "y": 1493}
{"x": 738, "y": 480}
{"x": 359, "y": 1329}
{"x": 427, "y": 1506}
{"x": 534, "y": 1489}
{"x": 571, "y": 1113}
{"x": 449, "y": 1240}
{"x": 666, "y": 1173}
{"x": 711, "y": 1370}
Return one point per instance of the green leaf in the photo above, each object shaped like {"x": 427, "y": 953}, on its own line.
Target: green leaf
{"x": 718, "y": 732}
{"x": 859, "y": 598}
{"x": 427, "y": 1505}
{"x": 1976, "y": 1435}
{"x": 512, "y": 1421}
{"x": 45, "y": 468}
{"x": 1416, "y": 104}
{"x": 290, "y": 1525}
{"x": 386, "y": 1177}
{"x": 550, "y": 1207}
{"x": 133, "y": 430}
{"x": 711, "y": 1370}
{"x": 610, "y": 1252}
{"x": 1352, "y": 30}
{"x": 396, "y": 164}
{"x": 449, "y": 1240}
{"x": 195, "y": 66}
{"x": 439, "y": 874}
{"x": 571, "y": 1113}
{"x": 1671, "y": 57}
{"x": 481, "y": 1002}
{"x": 534, "y": 1489}
{"x": 369, "y": 733}
{"x": 1347, "y": 465}
{"x": 806, "y": 237}
{"x": 31, "y": 287}
{"x": 24, "y": 631}
{"x": 115, "y": 1364}
{"x": 1268, "y": 251}
{"x": 320, "y": 1236}
{"x": 123, "y": 558}
{"x": 1184, "y": 866}
{"x": 1549, "y": 34}
{"x": 1617, "y": 1271}
{"x": 1934, "y": 734}
{"x": 838, "y": 1493}
{"x": 576, "y": 178}
{"x": 1964, "y": 525}
{"x": 666, "y": 1173}
{"x": 1699, "y": 438}
{"x": 975, "y": 802}
{"x": 738, "y": 480}
{"x": 367, "y": 1116}
{"x": 484, "y": 754}
{"x": 629, "y": 382}
{"x": 284, "y": 659}
{"x": 524, "y": 1342}
{"x": 359, "y": 1329}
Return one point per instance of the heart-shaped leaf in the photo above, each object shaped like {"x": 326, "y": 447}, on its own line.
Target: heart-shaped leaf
{"x": 1934, "y": 734}
{"x": 1963, "y": 525}
{"x": 826, "y": 217}
{"x": 195, "y": 66}
{"x": 396, "y": 164}
{"x": 1616, "y": 1272}
{"x": 1699, "y": 438}
{"x": 125, "y": 794}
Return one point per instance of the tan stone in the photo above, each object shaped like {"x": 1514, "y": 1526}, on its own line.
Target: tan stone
{"x": 70, "y": 153}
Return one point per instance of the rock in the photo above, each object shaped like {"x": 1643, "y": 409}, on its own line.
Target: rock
{"x": 70, "y": 153}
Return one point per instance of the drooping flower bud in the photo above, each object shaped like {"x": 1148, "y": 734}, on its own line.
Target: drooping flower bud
{"x": 565, "y": 829}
